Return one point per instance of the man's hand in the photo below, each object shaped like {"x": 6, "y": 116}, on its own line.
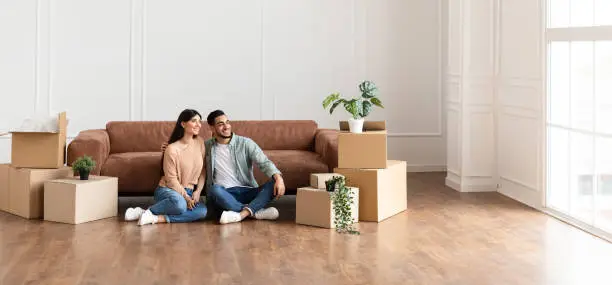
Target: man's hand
{"x": 279, "y": 186}
{"x": 164, "y": 146}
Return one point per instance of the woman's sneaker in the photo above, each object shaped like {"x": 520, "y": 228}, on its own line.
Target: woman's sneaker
{"x": 133, "y": 214}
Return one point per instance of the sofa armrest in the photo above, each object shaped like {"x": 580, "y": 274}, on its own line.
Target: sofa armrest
{"x": 326, "y": 145}
{"x": 94, "y": 143}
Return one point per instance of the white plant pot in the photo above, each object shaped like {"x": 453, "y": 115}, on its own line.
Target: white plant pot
{"x": 355, "y": 126}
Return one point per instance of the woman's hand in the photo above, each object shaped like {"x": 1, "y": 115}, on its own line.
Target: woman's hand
{"x": 195, "y": 198}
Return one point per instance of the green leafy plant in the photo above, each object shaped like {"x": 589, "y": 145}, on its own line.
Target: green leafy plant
{"x": 84, "y": 164}
{"x": 359, "y": 107}
{"x": 342, "y": 200}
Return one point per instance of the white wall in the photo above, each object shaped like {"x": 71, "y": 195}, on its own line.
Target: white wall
{"x": 256, "y": 59}
{"x": 521, "y": 100}
{"x": 495, "y": 97}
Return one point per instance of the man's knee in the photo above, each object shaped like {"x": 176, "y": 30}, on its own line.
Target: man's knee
{"x": 215, "y": 191}
{"x": 178, "y": 205}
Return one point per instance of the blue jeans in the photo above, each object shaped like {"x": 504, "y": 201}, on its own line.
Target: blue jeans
{"x": 171, "y": 204}
{"x": 237, "y": 198}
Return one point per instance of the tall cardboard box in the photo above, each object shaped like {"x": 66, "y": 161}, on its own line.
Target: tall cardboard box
{"x": 26, "y": 186}
{"x": 4, "y": 187}
{"x": 40, "y": 149}
{"x": 382, "y": 192}
{"x": 76, "y": 201}
{"x": 314, "y": 207}
{"x": 363, "y": 150}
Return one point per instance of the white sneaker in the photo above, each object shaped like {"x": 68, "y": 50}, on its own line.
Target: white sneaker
{"x": 133, "y": 214}
{"x": 147, "y": 218}
{"x": 270, "y": 213}
{"x": 230, "y": 217}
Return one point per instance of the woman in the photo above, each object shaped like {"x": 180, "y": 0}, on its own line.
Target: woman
{"x": 177, "y": 198}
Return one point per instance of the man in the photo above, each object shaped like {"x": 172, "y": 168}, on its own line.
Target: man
{"x": 230, "y": 182}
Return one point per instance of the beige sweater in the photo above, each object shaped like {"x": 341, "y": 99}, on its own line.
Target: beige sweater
{"x": 183, "y": 165}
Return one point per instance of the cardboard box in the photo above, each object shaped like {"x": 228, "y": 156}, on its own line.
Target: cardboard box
{"x": 26, "y": 186}
{"x": 4, "y": 187}
{"x": 40, "y": 149}
{"x": 75, "y": 201}
{"x": 382, "y": 192}
{"x": 317, "y": 180}
{"x": 314, "y": 207}
{"x": 363, "y": 150}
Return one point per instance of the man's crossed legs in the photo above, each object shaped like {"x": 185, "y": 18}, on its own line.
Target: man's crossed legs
{"x": 235, "y": 200}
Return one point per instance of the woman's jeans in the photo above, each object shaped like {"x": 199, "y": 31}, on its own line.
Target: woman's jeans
{"x": 171, "y": 204}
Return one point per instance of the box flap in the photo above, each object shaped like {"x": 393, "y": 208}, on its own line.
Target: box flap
{"x": 367, "y": 126}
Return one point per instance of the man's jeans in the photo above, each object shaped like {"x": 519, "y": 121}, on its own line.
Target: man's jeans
{"x": 237, "y": 198}
{"x": 171, "y": 204}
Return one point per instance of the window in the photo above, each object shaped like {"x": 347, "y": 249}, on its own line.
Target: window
{"x": 579, "y": 110}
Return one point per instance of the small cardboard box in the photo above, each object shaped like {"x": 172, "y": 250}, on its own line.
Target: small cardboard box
{"x": 26, "y": 186}
{"x": 4, "y": 187}
{"x": 75, "y": 201}
{"x": 363, "y": 150}
{"x": 317, "y": 180}
{"x": 382, "y": 192}
{"x": 314, "y": 207}
{"x": 40, "y": 149}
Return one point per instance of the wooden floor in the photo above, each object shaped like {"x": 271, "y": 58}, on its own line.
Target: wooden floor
{"x": 445, "y": 237}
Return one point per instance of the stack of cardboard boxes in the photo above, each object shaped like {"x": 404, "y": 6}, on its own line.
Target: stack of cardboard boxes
{"x": 362, "y": 159}
{"x": 37, "y": 184}
{"x": 36, "y": 157}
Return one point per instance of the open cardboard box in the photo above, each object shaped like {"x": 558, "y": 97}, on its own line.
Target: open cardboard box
{"x": 40, "y": 149}
{"x": 363, "y": 150}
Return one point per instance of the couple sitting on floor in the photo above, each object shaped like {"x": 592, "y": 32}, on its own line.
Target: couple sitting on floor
{"x": 223, "y": 165}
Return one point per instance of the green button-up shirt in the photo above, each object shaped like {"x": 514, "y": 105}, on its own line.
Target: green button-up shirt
{"x": 245, "y": 152}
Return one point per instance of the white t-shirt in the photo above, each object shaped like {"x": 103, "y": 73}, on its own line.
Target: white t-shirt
{"x": 225, "y": 167}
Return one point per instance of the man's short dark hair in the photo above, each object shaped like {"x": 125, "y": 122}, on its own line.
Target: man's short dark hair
{"x": 213, "y": 115}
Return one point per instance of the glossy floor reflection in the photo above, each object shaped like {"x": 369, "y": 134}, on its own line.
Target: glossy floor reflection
{"x": 444, "y": 238}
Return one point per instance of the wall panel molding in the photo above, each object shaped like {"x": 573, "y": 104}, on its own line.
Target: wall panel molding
{"x": 42, "y": 67}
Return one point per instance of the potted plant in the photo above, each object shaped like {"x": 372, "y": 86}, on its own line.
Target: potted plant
{"x": 342, "y": 200}
{"x": 84, "y": 165}
{"x": 359, "y": 107}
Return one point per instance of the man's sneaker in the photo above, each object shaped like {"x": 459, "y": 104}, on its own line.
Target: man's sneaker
{"x": 270, "y": 213}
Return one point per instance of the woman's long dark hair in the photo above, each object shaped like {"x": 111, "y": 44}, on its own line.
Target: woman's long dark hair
{"x": 179, "y": 131}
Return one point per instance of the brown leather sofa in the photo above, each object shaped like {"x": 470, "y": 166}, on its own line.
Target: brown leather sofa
{"x": 131, "y": 150}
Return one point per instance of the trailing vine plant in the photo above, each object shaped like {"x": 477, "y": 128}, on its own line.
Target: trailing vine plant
{"x": 342, "y": 200}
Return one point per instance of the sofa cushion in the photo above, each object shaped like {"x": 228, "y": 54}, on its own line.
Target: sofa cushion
{"x": 137, "y": 171}
{"x": 296, "y": 166}
{"x": 145, "y": 136}
{"x": 278, "y": 134}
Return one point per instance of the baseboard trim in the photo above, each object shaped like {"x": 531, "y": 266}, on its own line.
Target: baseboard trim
{"x": 526, "y": 195}
{"x": 425, "y": 168}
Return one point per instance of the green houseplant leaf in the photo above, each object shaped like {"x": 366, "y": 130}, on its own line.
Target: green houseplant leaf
{"x": 342, "y": 200}
{"x": 329, "y": 99}
{"x": 366, "y": 108}
{"x": 376, "y": 102}
{"x": 331, "y": 110}
{"x": 368, "y": 89}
